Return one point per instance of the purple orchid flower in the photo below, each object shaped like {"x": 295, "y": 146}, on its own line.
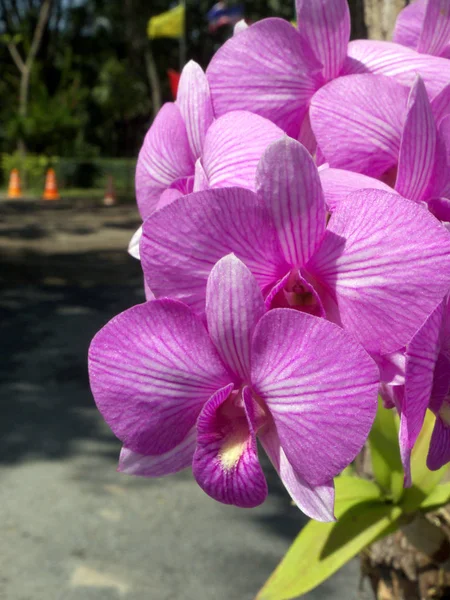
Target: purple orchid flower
{"x": 177, "y": 394}
{"x": 273, "y": 69}
{"x": 424, "y": 26}
{"x": 186, "y": 149}
{"x": 378, "y": 268}
{"x": 402, "y": 139}
{"x": 427, "y": 385}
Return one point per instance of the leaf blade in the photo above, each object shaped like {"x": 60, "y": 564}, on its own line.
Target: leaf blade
{"x": 385, "y": 452}
{"x": 321, "y": 549}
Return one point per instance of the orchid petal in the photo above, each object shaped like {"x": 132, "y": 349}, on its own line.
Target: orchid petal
{"x": 233, "y": 146}
{"x": 133, "y": 246}
{"x": 435, "y": 33}
{"x": 226, "y": 462}
{"x": 418, "y": 146}
{"x": 337, "y": 184}
{"x": 268, "y": 70}
{"x": 439, "y": 185}
{"x": 194, "y": 102}
{"x": 240, "y": 26}
{"x": 440, "y": 208}
{"x": 421, "y": 356}
{"x": 439, "y": 452}
{"x": 315, "y": 501}
{"x": 149, "y": 295}
{"x": 441, "y": 104}
{"x": 167, "y": 197}
{"x": 182, "y": 242}
{"x": 165, "y": 156}
{"x": 151, "y": 370}
{"x": 373, "y": 239}
{"x": 409, "y": 24}
{"x": 234, "y": 304}
{"x": 325, "y": 25}
{"x": 200, "y": 180}
{"x": 173, "y": 461}
{"x": 352, "y": 130}
{"x": 288, "y": 181}
{"x": 399, "y": 62}
{"x": 320, "y": 387}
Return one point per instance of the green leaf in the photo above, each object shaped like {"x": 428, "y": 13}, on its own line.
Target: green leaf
{"x": 385, "y": 452}
{"x": 321, "y": 549}
{"x": 424, "y": 481}
{"x": 353, "y": 490}
{"x": 438, "y": 497}
{"x": 422, "y": 477}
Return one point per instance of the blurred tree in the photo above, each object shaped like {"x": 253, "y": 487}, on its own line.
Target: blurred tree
{"x": 93, "y": 80}
{"x": 17, "y": 17}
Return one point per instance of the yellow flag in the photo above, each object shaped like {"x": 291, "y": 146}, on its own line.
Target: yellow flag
{"x": 169, "y": 24}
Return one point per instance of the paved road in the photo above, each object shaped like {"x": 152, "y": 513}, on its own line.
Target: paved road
{"x": 73, "y": 528}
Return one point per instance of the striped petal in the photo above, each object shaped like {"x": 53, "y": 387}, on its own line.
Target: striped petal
{"x": 435, "y": 33}
{"x": 288, "y": 182}
{"x": 421, "y": 357}
{"x": 418, "y": 146}
{"x": 194, "y": 102}
{"x": 266, "y": 69}
{"x": 133, "y": 246}
{"x": 164, "y": 158}
{"x": 180, "y": 457}
{"x": 226, "y": 462}
{"x": 337, "y": 184}
{"x": 320, "y": 387}
{"x": 233, "y": 146}
{"x": 386, "y": 261}
{"x": 325, "y": 26}
{"x": 234, "y": 305}
{"x": 440, "y": 105}
{"x": 152, "y": 368}
{"x": 438, "y": 192}
{"x": 315, "y": 501}
{"x": 409, "y": 24}
{"x": 182, "y": 242}
{"x": 354, "y": 132}
{"x": 439, "y": 452}
{"x": 399, "y": 62}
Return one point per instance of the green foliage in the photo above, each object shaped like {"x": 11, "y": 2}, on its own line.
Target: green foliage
{"x": 366, "y": 510}
{"x": 33, "y": 165}
{"x": 424, "y": 480}
{"x": 385, "y": 453}
{"x": 88, "y": 173}
{"x": 437, "y": 498}
{"x": 321, "y": 549}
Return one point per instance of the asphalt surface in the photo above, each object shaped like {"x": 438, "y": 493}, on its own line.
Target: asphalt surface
{"x": 73, "y": 528}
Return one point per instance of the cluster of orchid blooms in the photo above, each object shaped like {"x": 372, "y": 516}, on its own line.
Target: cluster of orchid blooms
{"x": 296, "y": 254}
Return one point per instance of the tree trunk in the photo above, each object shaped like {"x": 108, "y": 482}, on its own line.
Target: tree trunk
{"x": 155, "y": 85}
{"x": 25, "y": 67}
{"x": 379, "y": 17}
{"x": 412, "y": 564}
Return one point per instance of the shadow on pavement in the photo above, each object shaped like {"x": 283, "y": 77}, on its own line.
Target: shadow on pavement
{"x": 50, "y": 308}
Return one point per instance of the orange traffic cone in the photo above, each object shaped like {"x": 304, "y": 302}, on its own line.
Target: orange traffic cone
{"x": 110, "y": 193}
{"x": 51, "y": 187}
{"x": 14, "y": 189}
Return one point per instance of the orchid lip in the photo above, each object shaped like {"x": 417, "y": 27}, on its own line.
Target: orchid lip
{"x": 295, "y": 291}
{"x": 235, "y": 429}
{"x": 233, "y": 409}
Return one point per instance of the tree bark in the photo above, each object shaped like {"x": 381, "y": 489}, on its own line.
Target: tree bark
{"x": 412, "y": 564}
{"x": 155, "y": 85}
{"x": 379, "y": 17}
{"x": 25, "y": 66}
